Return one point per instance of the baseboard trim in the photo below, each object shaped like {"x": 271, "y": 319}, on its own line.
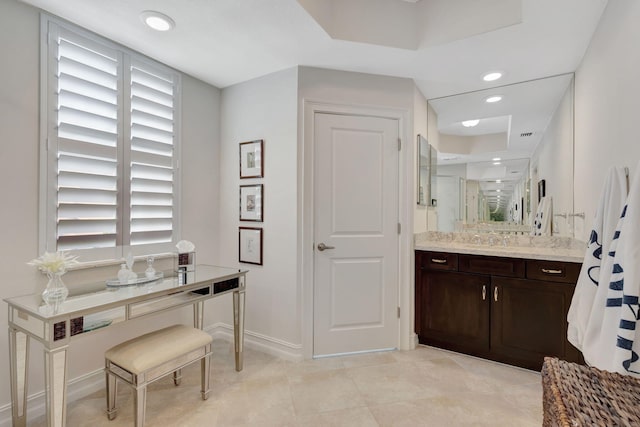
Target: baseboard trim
{"x": 256, "y": 341}
{"x": 91, "y": 382}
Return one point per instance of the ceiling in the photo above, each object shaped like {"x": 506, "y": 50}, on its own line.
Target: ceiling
{"x": 444, "y": 45}
{"x": 518, "y": 120}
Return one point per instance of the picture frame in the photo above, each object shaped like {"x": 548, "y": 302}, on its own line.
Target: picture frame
{"x": 252, "y": 159}
{"x": 252, "y": 202}
{"x": 250, "y": 245}
{"x": 542, "y": 190}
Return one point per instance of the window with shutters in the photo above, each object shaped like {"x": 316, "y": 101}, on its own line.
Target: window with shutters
{"x": 110, "y": 147}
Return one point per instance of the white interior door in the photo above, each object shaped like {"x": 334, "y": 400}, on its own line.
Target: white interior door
{"x": 356, "y": 218}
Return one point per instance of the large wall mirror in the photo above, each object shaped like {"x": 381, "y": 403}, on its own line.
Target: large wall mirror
{"x": 495, "y": 147}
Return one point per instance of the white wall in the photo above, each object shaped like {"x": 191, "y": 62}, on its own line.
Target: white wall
{"x": 19, "y": 134}
{"x": 553, "y": 160}
{"x": 448, "y": 196}
{"x": 607, "y": 106}
{"x": 419, "y": 128}
{"x": 264, "y": 108}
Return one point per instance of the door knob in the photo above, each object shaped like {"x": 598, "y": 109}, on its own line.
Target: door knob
{"x": 322, "y": 247}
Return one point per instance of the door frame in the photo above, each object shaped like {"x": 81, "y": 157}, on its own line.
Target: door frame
{"x": 406, "y": 335}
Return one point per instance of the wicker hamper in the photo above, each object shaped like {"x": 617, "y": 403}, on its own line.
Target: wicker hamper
{"x": 579, "y": 396}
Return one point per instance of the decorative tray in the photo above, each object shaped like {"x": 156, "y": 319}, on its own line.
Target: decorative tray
{"x": 140, "y": 280}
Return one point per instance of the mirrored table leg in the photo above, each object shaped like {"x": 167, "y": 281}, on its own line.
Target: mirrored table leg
{"x": 238, "y": 327}
{"x": 19, "y": 360}
{"x": 55, "y": 369}
{"x": 198, "y": 314}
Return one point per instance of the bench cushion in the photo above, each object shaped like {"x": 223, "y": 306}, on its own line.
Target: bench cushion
{"x": 155, "y": 348}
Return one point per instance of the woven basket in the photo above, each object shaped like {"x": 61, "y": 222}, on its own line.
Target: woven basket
{"x": 579, "y": 396}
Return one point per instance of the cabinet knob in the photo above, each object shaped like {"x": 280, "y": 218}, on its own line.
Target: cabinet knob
{"x": 495, "y": 293}
{"x": 551, "y": 271}
{"x": 484, "y": 292}
{"x": 438, "y": 260}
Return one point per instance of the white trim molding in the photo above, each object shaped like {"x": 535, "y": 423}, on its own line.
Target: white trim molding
{"x": 253, "y": 340}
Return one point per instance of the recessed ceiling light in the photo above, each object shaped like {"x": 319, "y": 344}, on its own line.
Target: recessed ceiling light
{"x": 496, "y": 163}
{"x": 496, "y": 159}
{"x": 498, "y": 181}
{"x": 498, "y": 190}
{"x": 470, "y": 123}
{"x": 493, "y": 99}
{"x": 490, "y": 77}
{"x": 157, "y": 21}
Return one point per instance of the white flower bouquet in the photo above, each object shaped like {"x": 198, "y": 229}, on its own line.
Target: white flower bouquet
{"x": 54, "y": 263}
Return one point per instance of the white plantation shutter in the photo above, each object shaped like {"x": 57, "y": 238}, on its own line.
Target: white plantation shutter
{"x": 111, "y": 148}
{"x": 152, "y": 155}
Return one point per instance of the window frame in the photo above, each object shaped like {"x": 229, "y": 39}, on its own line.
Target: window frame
{"x": 49, "y": 26}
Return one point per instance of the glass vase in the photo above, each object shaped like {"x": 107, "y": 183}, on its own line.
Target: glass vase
{"x": 56, "y": 292}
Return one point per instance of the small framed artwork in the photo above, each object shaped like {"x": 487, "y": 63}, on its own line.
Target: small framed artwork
{"x": 250, "y": 245}
{"x": 252, "y": 159}
{"x": 541, "y": 189}
{"x": 251, "y": 202}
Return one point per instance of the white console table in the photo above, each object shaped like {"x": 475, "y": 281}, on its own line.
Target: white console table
{"x": 94, "y": 307}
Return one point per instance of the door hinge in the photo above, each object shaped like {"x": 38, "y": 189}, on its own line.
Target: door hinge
{"x": 399, "y": 144}
{"x": 399, "y": 228}
{"x": 398, "y": 312}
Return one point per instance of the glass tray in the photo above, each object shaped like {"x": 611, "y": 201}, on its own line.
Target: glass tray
{"x": 141, "y": 279}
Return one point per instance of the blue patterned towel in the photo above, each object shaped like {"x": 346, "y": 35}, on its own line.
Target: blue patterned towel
{"x": 612, "y": 200}
{"x": 614, "y": 343}
{"x": 542, "y": 220}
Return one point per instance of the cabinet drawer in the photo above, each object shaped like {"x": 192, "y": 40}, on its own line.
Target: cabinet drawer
{"x": 553, "y": 271}
{"x": 427, "y": 260}
{"x": 496, "y": 266}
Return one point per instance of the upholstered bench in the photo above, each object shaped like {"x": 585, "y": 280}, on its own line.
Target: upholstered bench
{"x": 144, "y": 359}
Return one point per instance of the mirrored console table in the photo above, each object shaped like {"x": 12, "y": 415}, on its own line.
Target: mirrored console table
{"x": 95, "y": 307}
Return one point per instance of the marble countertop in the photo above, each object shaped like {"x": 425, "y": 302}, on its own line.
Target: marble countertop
{"x": 542, "y": 250}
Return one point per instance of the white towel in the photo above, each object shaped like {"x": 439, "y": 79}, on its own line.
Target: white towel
{"x": 612, "y": 199}
{"x": 611, "y": 341}
{"x": 542, "y": 221}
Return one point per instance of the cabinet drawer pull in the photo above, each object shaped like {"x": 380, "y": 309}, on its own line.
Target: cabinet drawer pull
{"x": 551, "y": 271}
{"x": 484, "y": 292}
{"x": 495, "y": 293}
{"x": 439, "y": 260}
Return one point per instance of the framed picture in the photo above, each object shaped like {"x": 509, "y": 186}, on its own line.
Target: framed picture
{"x": 252, "y": 159}
{"x": 541, "y": 189}
{"x": 251, "y": 202}
{"x": 250, "y": 245}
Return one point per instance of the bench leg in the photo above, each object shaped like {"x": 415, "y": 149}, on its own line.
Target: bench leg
{"x": 205, "y": 365}
{"x": 112, "y": 392}
{"x": 177, "y": 377}
{"x": 139, "y": 404}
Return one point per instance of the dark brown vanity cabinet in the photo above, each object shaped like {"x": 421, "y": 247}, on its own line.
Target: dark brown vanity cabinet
{"x": 506, "y": 309}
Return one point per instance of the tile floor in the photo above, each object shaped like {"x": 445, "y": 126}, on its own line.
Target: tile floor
{"x": 422, "y": 387}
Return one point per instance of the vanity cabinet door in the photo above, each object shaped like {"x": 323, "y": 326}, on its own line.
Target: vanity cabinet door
{"x": 454, "y": 311}
{"x": 529, "y": 320}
